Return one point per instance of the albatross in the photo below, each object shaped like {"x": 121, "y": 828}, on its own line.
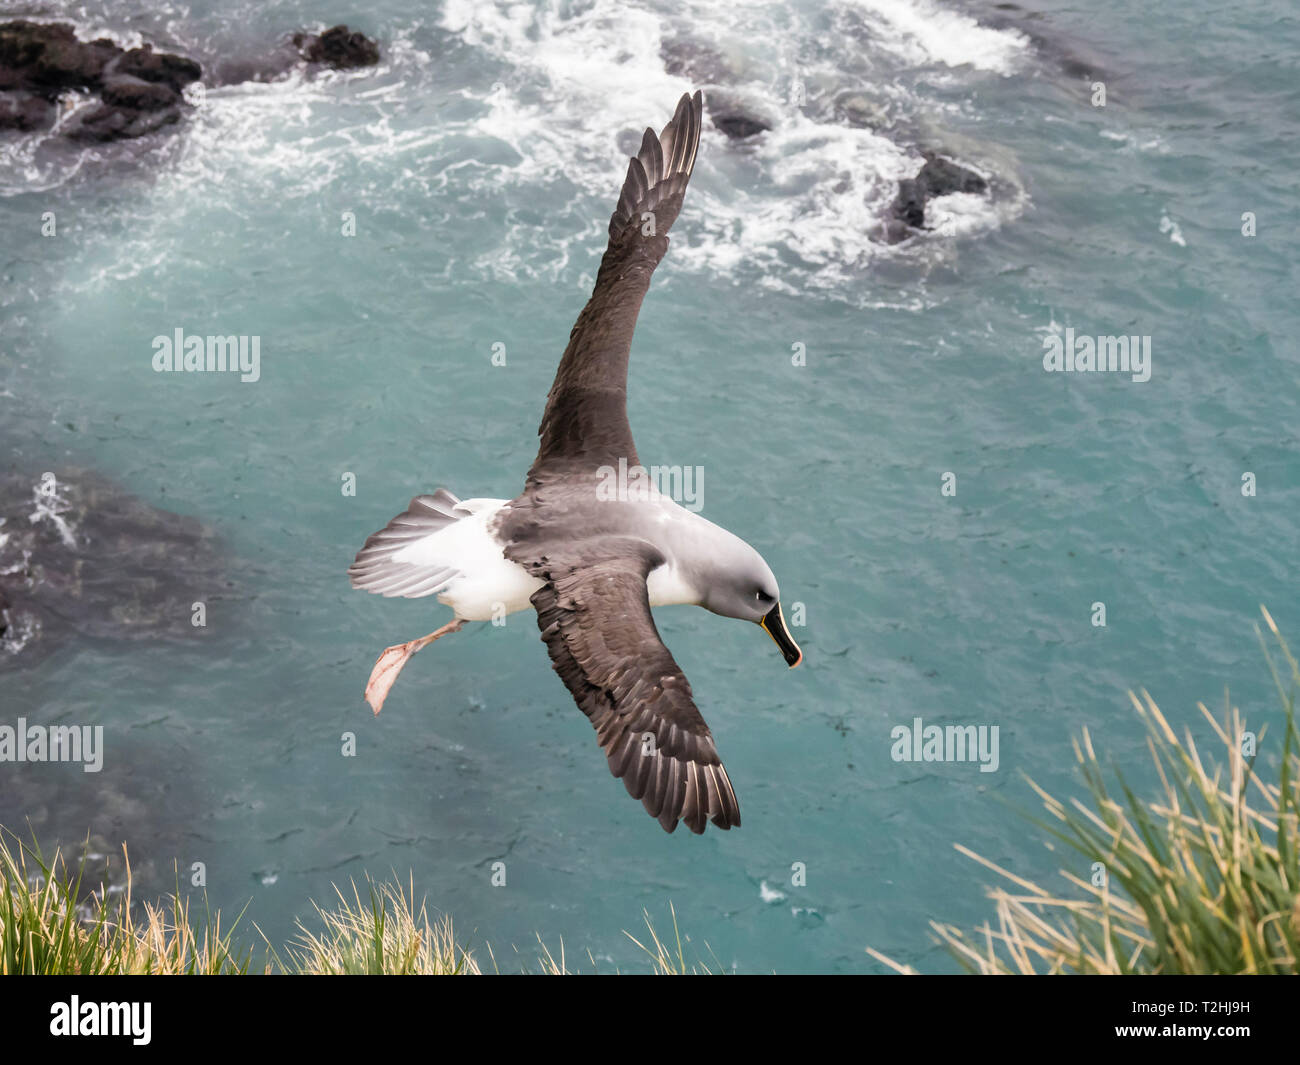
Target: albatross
{"x": 592, "y": 566}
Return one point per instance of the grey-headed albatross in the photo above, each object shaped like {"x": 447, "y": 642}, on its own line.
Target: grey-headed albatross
{"x": 590, "y": 565}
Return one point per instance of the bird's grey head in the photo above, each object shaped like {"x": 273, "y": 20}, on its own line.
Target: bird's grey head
{"x": 741, "y": 585}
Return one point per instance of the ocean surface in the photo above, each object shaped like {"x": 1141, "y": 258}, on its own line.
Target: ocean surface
{"x": 477, "y": 167}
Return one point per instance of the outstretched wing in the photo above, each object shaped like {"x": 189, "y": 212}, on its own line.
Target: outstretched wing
{"x": 594, "y": 613}
{"x": 585, "y": 424}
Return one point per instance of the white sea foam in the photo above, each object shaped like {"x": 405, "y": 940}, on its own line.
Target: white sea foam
{"x": 22, "y": 629}
{"x": 1169, "y": 226}
{"x": 50, "y": 506}
{"x": 792, "y": 210}
{"x": 926, "y": 32}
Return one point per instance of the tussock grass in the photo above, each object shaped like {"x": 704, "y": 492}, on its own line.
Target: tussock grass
{"x": 383, "y": 934}
{"x": 666, "y": 959}
{"x": 670, "y": 959}
{"x": 49, "y": 925}
{"x": 1203, "y": 878}
{"x": 53, "y": 923}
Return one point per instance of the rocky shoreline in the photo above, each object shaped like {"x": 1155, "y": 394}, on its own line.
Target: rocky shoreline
{"x": 97, "y": 91}
{"x": 45, "y": 67}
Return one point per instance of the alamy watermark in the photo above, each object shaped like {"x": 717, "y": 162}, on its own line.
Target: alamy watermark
{"x": 121, "y": 1019}
{"x": 53, "y": 743}
{"x": 1084, "y": 354}
{"x": 636, "y": 484}
{"x": 920, "y": 742}
{"x": 208, "y": 354}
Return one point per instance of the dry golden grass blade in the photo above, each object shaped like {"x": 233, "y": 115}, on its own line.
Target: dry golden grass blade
{"x": 961, "y": 849}
{"x": 904, "y": 970}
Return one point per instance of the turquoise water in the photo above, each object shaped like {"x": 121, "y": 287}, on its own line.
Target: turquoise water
{"x": 481, "y": 162}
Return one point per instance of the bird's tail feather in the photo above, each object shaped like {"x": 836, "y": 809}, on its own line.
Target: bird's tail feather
{"x": 376, "y": 569}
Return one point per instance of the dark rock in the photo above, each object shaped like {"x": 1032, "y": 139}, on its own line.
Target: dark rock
{"x": 126, "y": 90}
{"x": 71, "y": 65}
{"x": 738, "y": 115}
{"x": 47, "y": 57}
{"x": 25, "y": 111}
{"x": 909, "y": 204}
{"x": 23, "y": 42}
{"x": 938, "y": 177}
{"x": 139, "y": 88}
{"x": 739, "y": 126}
{"x": 172, "y": 70}
{"x": 338, "y": 47}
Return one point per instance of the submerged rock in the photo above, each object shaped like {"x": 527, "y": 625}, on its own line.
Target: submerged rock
{"x": 736, "y": 116}
{"x": 703, "y": 64}
{"x": 1072, "y": 58}
{"x": 858, "y": 109}
{"x": 739, "y": 126}
{"x": 144, "y": 796}
{"x": 938, "y": 177}
{"x": 81, "y": 556}
{"x": 110, "y": 122}
{"x": 235, "y": 70}
{"x": 25, "y": 111}
{"x": 337, "y": 48}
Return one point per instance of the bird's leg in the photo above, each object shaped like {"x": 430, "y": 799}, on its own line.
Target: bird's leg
{"x": 390, "y": 664}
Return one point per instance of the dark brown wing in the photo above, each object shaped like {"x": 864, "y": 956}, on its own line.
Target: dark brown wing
{"x": 594, "y": 613}
{"x": 585, "y": 424}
